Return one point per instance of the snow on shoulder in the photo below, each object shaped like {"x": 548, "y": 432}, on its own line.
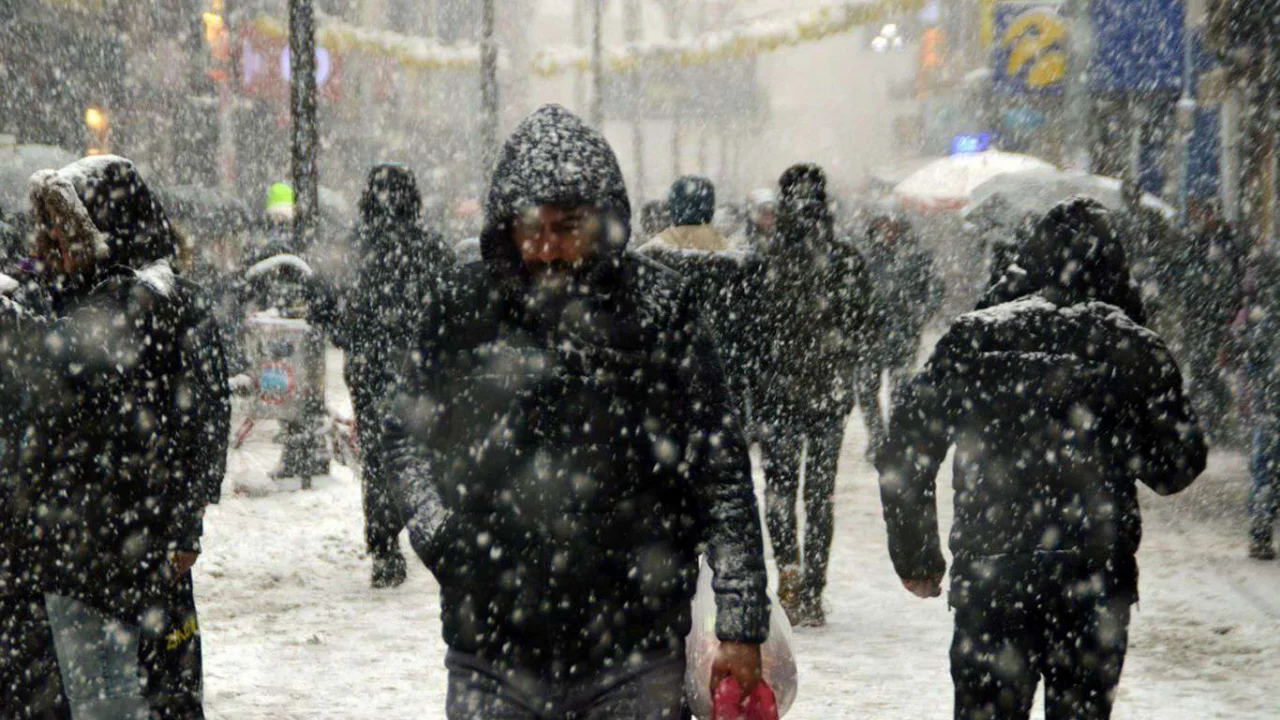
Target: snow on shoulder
{"x": 158, "y": 276}
{"x": 1018, "y": 310}
{"x": 7, "y": 284}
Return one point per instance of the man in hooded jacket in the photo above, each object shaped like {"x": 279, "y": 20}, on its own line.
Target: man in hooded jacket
{"x": 567, "y": 447}
{"x": 1058, "y": 402}
{"x": 401, "y": 268}
{"x": 114, "y": 402}
{"x": 810, "y": 303}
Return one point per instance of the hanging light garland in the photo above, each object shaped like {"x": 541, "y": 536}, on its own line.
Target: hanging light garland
{"x": 412, "y": 52}
{"x": 759, "y": 37}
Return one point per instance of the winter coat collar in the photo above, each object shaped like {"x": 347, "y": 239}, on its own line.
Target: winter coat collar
{"x": 704, "y": 238}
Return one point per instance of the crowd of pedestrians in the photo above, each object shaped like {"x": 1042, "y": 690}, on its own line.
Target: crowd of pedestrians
{"x": 560, "y": 417}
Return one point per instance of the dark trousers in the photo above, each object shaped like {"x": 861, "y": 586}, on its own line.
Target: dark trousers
{"x": 1002, "y": 647}
{"x": 651, "y": 689}
{"x": 784, "y": 455}
{"x": 383, "y": 519}
{"x": 869, "y": 378}
{"x": 1264, "y": 497}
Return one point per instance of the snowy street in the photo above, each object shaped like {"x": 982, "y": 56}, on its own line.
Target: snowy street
{"x": 291, "y": 628}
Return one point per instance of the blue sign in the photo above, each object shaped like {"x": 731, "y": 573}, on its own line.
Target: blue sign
{"x": 970, "y": 144}
{"x": 1137, "y": 45}
{"x": 1030, "y": 56}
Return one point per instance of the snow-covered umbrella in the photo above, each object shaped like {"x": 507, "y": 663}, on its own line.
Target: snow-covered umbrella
{"x": 18, "y": 162}
{"x": 948, "y": 184}
{"x": 1007, "y": 199}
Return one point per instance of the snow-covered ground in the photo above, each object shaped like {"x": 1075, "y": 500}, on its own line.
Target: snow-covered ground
{"x": 291, "y": 628}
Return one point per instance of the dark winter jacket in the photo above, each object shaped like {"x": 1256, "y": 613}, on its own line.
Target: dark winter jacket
{"x": 1255, "y": 336}
{"x": 907, "y": 294}
{"x": 1058, "y": 403}
{"x": 1209, "y": 286}
{"x": 810, "y": 308}
{"x": 719, "y": 280}
{"x": 566, "y": 455}
{"x": 401, "y": 265}
{"x": 112, "y": 449}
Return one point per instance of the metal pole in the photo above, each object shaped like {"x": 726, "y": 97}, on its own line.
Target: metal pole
{"x": 634, "y": 35}
{"x": 1228, "y": 162}
{"x": 597, "y": 64}
{"x": 1078, "y": 135}
{"x": 488, "y": 90}
{"x": 308, "y": 455}
{"x": 1186, "y": 119}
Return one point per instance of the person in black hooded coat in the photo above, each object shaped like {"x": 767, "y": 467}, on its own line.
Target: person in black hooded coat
{"x": 116, "y": 421}
{"x": 401, "y": 268}
{"x": 1058, "y": 402}
{"x": 810, "y": 309}
{"x": 567, "y": 446}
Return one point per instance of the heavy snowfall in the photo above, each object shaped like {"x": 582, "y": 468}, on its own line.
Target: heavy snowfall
{"x": 639, "y": 359}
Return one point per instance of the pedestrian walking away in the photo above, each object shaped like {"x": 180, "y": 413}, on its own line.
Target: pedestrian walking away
{"x": 810, "y": 306}
{"x": 1059, "y": 402}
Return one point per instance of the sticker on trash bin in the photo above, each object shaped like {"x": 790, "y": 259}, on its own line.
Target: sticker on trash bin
{"x": 275, "y": 383}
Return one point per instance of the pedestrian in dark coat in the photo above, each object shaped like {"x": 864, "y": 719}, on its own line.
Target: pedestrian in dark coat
{"x": 1209, "y": 274}
{"x": 401, "y": 266}
{"x": 717, "y": 275}
{"x": 907, "y": 294}
{"x": 1255, "y": 341}
{"x": 1058, "y": 402}
{"x": 109, "y": 458}
{"x": 811, "y": 303}
{"x": 568, "y": 447}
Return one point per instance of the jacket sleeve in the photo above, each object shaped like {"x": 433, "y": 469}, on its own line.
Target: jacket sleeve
{"x": 720, "y": 472}
{"x": 1168, "y": 446}
{"x": 204, "y": 408}
{"x": 920, "y": 432}
{"x": 410, "y": 416}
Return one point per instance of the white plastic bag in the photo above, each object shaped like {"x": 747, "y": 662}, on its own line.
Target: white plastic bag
{"x": 702, "y": 644}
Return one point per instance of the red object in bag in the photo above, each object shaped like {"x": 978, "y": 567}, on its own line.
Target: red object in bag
{"x": 731, "y": 704}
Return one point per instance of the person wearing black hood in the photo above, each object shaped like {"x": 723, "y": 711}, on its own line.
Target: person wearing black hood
{"x": 401, "y": 268}
{"x": 811, "y": 306}
{"x": 567, "y": 448}
{"x": 1059, "y": 402}
{"x": 907, "y": 295}
{"x": 117, "y": 400}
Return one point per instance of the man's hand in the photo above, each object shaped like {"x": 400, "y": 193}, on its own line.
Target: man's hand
{"x": 183, "y": 561}
{"x": 742, "y": 661}
{"x": 926, "y": 588}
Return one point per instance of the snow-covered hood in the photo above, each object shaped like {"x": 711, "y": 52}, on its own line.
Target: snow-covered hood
{"x": 1069, "y": 257}
{"x": 553, "y": 157}
{"x": 104, "y": 206}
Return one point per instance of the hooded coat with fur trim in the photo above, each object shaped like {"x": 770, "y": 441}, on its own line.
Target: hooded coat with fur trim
{"x": 114, "y": 404}
{"x": 567, "y": 453}
{"x": 1058, "y": 402}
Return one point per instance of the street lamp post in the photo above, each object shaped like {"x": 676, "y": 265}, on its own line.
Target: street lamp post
{"x": 304, "y": 450}
{"x": 488, "y": 90}
{"x": 597, "y": 64}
